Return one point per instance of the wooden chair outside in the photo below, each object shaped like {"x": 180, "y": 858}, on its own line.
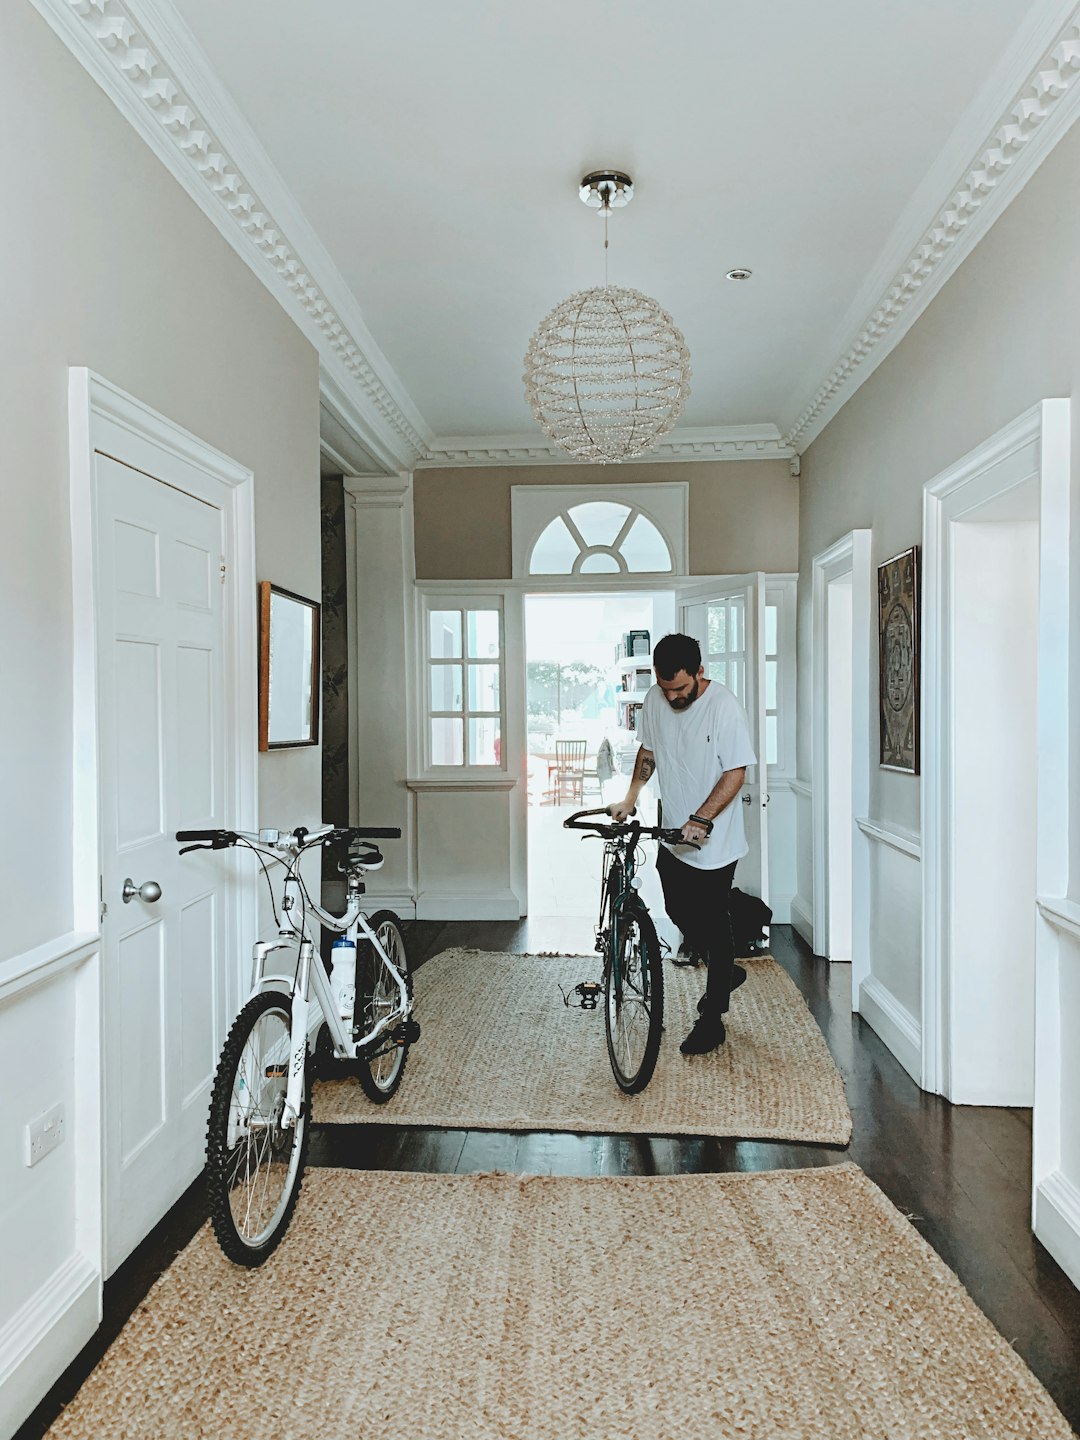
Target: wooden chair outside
{"x": 567, "y": 773}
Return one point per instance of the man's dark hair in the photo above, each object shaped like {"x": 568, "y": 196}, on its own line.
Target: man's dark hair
{"x": 674, "y": 653}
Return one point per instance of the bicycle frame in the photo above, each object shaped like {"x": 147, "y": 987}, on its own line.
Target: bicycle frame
{"x": 623, "y": 850}
{"x": 313, "y": 977}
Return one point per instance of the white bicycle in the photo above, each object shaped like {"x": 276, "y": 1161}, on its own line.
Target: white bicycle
{"x": 257, "y": 1136}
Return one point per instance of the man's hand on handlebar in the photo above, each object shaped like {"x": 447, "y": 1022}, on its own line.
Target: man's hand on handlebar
{"x": 621, "y": 810}
{"x": 694, "y": 833}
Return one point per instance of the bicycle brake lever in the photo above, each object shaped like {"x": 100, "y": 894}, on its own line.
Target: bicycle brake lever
{"x": 186, "y": 848}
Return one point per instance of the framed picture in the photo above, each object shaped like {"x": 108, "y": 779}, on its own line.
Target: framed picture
{"x": 898, "y": 661}
{"x": 289, "y": 676}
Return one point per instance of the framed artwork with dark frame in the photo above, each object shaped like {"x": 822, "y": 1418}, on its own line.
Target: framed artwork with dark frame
{"x": 289, "y": 675}
{"x": 898, "y": 661}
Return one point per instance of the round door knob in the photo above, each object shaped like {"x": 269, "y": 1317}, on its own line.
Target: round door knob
{"x": 149, "y": 891}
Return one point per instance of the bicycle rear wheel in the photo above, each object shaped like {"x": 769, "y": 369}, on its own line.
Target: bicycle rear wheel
{"x": 633, "y": 997}
{"x": 255, "y": 1164}
{"x": 377, "y": 996}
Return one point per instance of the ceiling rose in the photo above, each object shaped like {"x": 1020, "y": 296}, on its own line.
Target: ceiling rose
{"x": 608, "y": 371}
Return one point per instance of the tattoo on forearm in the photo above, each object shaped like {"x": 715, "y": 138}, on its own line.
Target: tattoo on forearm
{"x": 648, "y": 765}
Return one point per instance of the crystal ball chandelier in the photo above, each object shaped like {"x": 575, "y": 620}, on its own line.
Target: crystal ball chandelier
{"x": 608, "y": 371}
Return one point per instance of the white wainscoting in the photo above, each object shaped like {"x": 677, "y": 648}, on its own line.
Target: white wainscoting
{"x": 893, "y": 1023}
{"x": 1056, "y": 1122}
{"x": 802, "y": 903}
{"x": 783, "y": 847}
{"x": 465, "y": 851}
{"x": 889, "y": 996}
{"x": 50, "y": 1213}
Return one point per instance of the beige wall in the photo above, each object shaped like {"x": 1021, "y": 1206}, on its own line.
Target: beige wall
{"x": 1003, "y": 334}
{"x": 109, "y": 264}
{"x": 743, "y": 514}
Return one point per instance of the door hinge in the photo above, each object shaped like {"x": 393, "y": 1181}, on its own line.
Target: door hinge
{"x": 103, "y": 909}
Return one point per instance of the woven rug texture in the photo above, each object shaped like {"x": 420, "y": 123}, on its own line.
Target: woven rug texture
{"x": 781, "y": 1304}
{"x": 500, "y": 1051}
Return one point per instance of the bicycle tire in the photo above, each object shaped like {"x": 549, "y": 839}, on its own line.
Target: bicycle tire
{"x": 633, "y": 1005}
{"x": 246, "y": 1164}
{"x": 380, "y": 1074}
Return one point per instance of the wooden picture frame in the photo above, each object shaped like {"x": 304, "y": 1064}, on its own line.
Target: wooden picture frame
{"x": 898, "y": 662}
{"x": 290, "y": 676}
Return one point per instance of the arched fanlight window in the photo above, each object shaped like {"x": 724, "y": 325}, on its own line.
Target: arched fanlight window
{"x": 601, "y": 537}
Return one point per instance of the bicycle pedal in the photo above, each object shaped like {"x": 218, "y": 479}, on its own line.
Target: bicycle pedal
{"x": 411, "y": 1033}
{"x": 589, "y": 990}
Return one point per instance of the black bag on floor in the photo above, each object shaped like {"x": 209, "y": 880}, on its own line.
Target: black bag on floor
{"x": 749, "y": 917}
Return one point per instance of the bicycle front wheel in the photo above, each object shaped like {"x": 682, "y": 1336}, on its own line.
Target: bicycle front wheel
{"x": 254, "y": 1162}
{"x": 633, "y": 997}
{"x": 377, "y": 996}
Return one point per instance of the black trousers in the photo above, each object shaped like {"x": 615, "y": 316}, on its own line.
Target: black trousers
{"x": 697, "y": 902}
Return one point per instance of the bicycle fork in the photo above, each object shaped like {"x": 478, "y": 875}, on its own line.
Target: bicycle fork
{"x": 298, "y": 1040}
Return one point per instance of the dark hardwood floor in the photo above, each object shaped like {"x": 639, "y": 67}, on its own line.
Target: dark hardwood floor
{"x": 962, "y": 1174}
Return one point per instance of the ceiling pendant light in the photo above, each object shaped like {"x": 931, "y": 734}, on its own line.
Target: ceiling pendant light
{"x": 608, "y": 371}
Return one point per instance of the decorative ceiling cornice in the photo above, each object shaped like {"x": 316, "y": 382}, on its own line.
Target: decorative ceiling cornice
{"x": 145, "y": 61}
{"x": 143, "y": 56}
{"x": 725, "y": 442}
{"x": 1029, "y": 125}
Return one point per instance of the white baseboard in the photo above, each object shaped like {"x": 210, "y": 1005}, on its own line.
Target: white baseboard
{"x": 460, "y": 905}
{"x": 802, "y": 920}
{"x": 42, "y": 1338}
{"x": 1057, "y": 1222}
{"x": 781, "y": 908}
{"x": 896, "y": 1025}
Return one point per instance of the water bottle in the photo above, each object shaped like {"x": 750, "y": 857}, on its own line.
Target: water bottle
{"x": 343, "y": 976}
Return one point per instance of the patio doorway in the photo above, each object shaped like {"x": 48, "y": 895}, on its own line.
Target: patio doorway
{"x": 583, "y": 691}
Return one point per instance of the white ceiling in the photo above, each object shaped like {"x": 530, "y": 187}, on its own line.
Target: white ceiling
{"x": 435, "y": 147}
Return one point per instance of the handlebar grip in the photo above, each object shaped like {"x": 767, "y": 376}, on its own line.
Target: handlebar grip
{"x": 224, "y": 836}
{"x": 375, "y": 832}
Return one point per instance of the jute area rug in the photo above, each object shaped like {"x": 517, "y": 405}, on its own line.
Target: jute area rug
{"x": 782, "y": 1304}
{"x": 500, "y": 1051}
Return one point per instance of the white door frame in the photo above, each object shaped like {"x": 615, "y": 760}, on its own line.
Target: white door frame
{"x": 104, "y": 418}
{"x": 1035, "y": 445}
{"x": 850, "y": 555}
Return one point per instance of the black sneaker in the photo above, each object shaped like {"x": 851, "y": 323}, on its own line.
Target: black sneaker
{"x": 685, "y": 956}
{"x": 708, "y": 1034}
{"x": 738, "y": 975}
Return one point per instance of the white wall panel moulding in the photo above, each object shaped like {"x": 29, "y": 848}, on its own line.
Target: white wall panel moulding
{"x": 148, "y": 63}
{"x": 687, "y": 442}
{"x": 1025, "y": 109}
{"x": 906, "y": 841}
{"x": 1062, "y": 914}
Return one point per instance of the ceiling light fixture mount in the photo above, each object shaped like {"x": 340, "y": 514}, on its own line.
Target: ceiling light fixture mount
{"x": 607, "y": 372}
{"x": 739, "y": 273}
{"x": 606, "y": 190}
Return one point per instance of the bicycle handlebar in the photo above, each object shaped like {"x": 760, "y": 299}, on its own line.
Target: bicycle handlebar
{"x": 616, "y": 828}
{"x": 285, "y": 839}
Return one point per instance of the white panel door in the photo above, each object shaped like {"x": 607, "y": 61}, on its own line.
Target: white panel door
{"x": 162, "y": 757}
{"x": 730, "y": 628}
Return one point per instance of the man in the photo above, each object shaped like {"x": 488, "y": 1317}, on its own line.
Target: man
{"x": 694, "y": 735}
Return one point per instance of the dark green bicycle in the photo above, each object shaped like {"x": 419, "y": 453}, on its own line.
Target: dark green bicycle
{"x": 632, "y": 987}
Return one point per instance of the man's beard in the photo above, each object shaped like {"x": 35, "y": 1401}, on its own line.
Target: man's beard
{"x": 683, "y": 701}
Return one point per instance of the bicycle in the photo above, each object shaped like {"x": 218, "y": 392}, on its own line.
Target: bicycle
{"x": 257, "y": 1132}
{"x": 633, "y": 979}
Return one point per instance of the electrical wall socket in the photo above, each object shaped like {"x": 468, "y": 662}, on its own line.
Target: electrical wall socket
{"x": 44, "y": 1134}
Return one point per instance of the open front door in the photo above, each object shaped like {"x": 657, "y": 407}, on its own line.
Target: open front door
{"x": 728, "y": 622}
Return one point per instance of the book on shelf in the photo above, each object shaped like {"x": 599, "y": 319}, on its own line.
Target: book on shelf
{"x": 634, "y": 643}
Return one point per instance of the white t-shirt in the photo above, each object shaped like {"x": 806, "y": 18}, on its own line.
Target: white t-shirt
{"x": 692, "y": 749}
